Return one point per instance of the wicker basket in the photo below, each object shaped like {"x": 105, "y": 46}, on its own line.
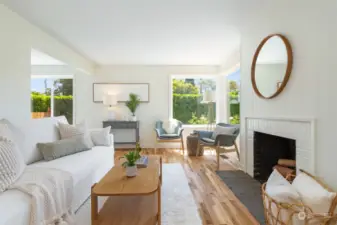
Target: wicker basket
{"x": 278, "y": 213}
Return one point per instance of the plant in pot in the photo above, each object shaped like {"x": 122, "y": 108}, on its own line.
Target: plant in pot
{"x": 130, "y": 163}
{"x": 133, "y": 104}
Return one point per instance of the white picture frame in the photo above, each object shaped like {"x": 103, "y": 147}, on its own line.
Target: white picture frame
{"x": 122, "y": 90}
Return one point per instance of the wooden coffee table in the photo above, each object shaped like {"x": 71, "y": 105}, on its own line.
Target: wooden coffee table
{"x": 132, "y": 200}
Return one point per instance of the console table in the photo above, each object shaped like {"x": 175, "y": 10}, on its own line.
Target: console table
{"x": 116, "y": 124}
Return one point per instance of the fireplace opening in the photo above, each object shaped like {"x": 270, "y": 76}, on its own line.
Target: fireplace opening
{"x": 268, "y": 150}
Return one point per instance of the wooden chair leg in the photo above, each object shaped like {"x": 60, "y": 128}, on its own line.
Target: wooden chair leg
{"x": 237, "y": 150}
{"x": 155, "y": 146}
{"x": 218, "y": 157}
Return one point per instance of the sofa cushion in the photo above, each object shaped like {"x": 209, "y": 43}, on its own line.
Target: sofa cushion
{"x": 208, "y": 140}
{"x": 86, "y": 167}
{"x": 5, "y": 133}
{"x": 61, "y": 148}
{"x": 169, "y": 136}
{"x": 101, "y": 137}
{"x": 170, "y": 126}
{"x": 68, "y": 131}
{"x": 11, "y": 164}
{"x": 33, "y": 131}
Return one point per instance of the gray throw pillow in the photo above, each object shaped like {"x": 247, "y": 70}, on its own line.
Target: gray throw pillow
{"x": 64, "y": 147}
{"x": 223, "y": 130}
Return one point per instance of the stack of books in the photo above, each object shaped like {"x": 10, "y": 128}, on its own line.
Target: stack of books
{"x": 142, "y": 162}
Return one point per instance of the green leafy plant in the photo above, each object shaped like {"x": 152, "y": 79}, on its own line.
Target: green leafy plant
{"x": 131, "y": 158}
{"x": 195, "y": 120}
{"x": 235, "y": 119}
{"x": 138, "y": 147}
{"x": 133, "y": 103}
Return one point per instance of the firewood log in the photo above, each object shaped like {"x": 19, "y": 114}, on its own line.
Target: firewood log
{"x": 285, "y": 171}
{"x": 287, "y": 162}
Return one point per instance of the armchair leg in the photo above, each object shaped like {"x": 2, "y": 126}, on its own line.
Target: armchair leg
{"x": 182, "y": 145}
{"x": 237, "y": 150}
{"x": 155, "y": 147}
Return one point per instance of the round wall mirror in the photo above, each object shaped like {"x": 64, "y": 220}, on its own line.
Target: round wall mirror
{"x": 271, "y": 67}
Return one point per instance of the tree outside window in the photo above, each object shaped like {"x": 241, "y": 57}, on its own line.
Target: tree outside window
{"x": 52, "y": 97}
{"x": 187, "y": 100}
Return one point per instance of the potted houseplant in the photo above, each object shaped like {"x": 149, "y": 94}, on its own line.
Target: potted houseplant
{"x": 133, "y": 104}
{"x": 130, "y": 163}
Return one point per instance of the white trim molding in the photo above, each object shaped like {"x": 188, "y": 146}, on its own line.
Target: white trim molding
{"x": 302, "y": 130}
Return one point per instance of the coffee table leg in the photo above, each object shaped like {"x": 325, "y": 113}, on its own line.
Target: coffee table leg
{"x": 94, "y": 207}
{"x": 159, "y": 205}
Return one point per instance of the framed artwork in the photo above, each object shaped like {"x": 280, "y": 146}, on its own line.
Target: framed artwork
{"x": 122, "y": 90}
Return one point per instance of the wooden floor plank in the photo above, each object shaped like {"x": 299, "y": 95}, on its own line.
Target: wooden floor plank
{"x": 216, "y": 202}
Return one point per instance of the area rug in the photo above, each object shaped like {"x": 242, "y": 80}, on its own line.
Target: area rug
{"x": 246, "y": 189}
{"x": 178, "y": 204}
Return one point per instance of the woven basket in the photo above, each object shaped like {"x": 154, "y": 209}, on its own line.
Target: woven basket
{"x": 278, "y": 213}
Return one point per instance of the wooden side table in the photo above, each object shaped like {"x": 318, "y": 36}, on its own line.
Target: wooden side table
{"x": 117, "y": 124}
{"x": 192, "y": 145}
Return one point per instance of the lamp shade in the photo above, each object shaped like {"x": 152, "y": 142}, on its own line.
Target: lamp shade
{"x": 208, "y": 96}
{"x": 110, "y": 99}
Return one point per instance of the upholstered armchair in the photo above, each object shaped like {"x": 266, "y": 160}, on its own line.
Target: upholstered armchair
{"x": 163, "y": 136}
{"x": 220, "y": 142}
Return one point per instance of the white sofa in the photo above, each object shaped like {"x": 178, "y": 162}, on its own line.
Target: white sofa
{"x": 86, "y": 167}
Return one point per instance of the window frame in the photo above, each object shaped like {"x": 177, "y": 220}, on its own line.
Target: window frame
{"x": 56, "y": 77}
{"x": 192, "y": 76}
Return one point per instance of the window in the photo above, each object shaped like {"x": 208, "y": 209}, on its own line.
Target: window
{"x": 52, "y": 96}
{"x": 234, "y": 97}
{"x": 188, "y": 99}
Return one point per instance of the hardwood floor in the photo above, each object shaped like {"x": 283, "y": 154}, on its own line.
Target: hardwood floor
{"x": 217, "y": 204}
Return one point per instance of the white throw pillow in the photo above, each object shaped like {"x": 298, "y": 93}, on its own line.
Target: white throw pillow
{"x": 278, "y": 188}
{"x": 170, "y": 126}
{"x": 61, "y": 119}
{"x": 68, "y": 131}
{"x": 5, "y": 133}
{"x": 11, "y": 164}
{"x": 101, "y": 137}
{"x": 313, "y": 194}
{"x": 223, "y": 130}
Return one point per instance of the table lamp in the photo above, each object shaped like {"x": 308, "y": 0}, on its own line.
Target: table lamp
{"x": 110, "y": 100}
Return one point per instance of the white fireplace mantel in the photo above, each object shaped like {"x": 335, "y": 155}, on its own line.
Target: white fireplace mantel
{"x": 302, "y": 130}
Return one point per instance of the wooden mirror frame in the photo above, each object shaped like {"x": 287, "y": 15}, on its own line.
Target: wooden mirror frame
{"x": 288, "y": 71}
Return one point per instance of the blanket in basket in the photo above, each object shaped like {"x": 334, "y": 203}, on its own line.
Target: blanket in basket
{"x": 51, "y": 192}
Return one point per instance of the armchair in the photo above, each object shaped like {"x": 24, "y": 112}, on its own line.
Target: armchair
{"x": 220, "y": 142}
{"x": 163, "y": 136}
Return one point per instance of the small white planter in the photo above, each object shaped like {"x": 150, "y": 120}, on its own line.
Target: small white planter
{"x": 131, "y": 171}
{"x": 133, "y": 118}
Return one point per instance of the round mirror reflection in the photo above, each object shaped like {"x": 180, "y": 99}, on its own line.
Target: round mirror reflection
{"x": 271, "y": 66}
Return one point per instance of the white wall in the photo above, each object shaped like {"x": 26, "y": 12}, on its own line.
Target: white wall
{"x": 158, "y": 108}
{"x": 311, "y": 92}
{"x": 17, "y": 37}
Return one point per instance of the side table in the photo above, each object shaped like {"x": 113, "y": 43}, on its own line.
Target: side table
{"x": 192, "y": 145}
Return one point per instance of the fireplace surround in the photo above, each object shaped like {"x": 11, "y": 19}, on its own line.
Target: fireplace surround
{"x": 302, "y": 131}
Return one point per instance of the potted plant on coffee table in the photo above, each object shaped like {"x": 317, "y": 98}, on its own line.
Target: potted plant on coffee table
{"x": 130, "y": 163}
{"x": 133, "y": 104}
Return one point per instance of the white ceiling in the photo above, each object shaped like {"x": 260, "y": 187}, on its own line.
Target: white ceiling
{"x": 151, "y": 32}
{"x": 41, "y": 59}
